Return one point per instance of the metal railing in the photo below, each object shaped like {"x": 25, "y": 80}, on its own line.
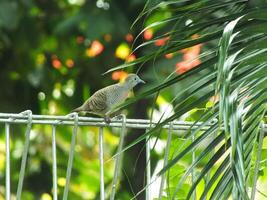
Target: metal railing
{"x": 74, "y": 120}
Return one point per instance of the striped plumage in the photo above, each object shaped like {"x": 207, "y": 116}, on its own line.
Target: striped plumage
{"x": 102, "y": 101}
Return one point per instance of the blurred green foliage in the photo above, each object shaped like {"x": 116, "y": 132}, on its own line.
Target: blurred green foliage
{"x": 52, "y": 55}
{"x": 45, "y": 67}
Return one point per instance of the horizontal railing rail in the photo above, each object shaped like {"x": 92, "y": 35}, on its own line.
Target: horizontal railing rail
{"x": 74, "y": 120}
{"x": 99, "y": 122}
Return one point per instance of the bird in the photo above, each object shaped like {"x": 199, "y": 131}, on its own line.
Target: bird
{"x": 104, "y": 100}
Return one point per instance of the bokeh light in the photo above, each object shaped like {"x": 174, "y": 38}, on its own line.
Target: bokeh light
{"x": 122, "y": 51}
{"x": 80, "y": 39}
{"x": 46, "y": 196}
{"x": 41, "y": 96}
{"x": 190, "y": 57}
{"x": 169, "y": 55}
{"x": 107, "y": 37}
{"x": 40, "y": 59}
{"x": 119, "y": 75}
{"x": 95, "y": 49}
{"x": 162, "y": 41}
{"x": 131, "y": 58}
{"x": 129, "y": 37}
{"x": 69, "y": 63}
{"x": 148, "y": 34}
{"x": 56, "y": 63}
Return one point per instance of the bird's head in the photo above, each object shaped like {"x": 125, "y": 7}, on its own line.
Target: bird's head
{"x": 132, "y": 80}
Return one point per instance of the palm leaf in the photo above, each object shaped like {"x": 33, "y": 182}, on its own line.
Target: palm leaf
{"x": 237, "y": 73}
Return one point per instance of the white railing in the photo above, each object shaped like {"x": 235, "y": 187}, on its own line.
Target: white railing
{"x": 74, "y": 120}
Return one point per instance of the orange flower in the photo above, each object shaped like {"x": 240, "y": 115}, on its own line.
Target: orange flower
{"x": 183, "y": 50}
{"x": 169, "y": 55}
{"x": 69, "y": 63}
{"x": 107, "y": 37}
{"x": 183, "y": 66}
{"x": 129, "y": 37}
{"x": 130, "y": 58}
{"x": 95, "y": 49}
{"x": 56, "y": 63}
{"x": 79, "y": 39}
{"x": 195, "y": 36}
{"x": 162, "y": 41}
{"x": 214, "y": 98}
{"x": 119, "y": 75}
{"x": 196, "y": 49}
{"x": 148, "y": 34}
{"x": 190, "y": 57}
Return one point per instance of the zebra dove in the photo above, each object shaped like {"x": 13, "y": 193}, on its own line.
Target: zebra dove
{"x": 104, "y": 100}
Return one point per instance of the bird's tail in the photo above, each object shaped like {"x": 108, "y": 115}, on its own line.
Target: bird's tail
{"x": 79, "y": 109}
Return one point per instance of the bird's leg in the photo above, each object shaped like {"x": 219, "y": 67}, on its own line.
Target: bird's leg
{"x": 120, "y": 116}
{"x": 107, "y": 119}
{"x": 116, "y": 115}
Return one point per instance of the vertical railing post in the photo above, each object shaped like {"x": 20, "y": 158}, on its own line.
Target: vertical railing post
{"x": 193, "y": 171}
{"x": 25, "y": 153}
{"x": 257, "y": 163}
{"x": 7, "y": 129}
{"x": 54, "y": 162}
{"x": 101, "y": 162}
{"x": 71, "y": 154}
{"x": 118, "y": 159}
{"x": 148, "y": 168}
{"x": 166, "y": 155}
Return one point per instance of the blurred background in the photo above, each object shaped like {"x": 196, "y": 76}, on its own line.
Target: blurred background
{"x": 52, "y": 57}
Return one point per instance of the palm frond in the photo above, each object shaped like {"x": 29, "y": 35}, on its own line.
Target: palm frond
{"x": 237, "y": 74}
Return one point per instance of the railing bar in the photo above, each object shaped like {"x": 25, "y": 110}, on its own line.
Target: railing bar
{"x": 49, "y": 119}
{"x": 24, "y": 155}
{"x": 100, "y": 124}
{"x": 148, "y": 169}
{"x": 101, "y": 162}
{"x": 71, "y": 155}
{"x": 92, "y": 119}
{"x": 257, "y": 164}
{"x": 7, "y": 128}
{"x": 118, "y": 159}
{"x": 133, "y": 122}
{"x": 54, "y": 161}
{"x": 193, "y": 170}
{"x": 166, "y": 155}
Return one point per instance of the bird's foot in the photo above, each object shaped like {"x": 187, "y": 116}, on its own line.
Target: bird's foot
{"x": 73, "y": 114}
{"x": 107, "y": 119}
{"x": 118, "y": 117}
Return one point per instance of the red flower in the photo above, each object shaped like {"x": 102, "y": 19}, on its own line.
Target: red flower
{"x": 129, "y": 37}
{"x": 185, "y": 65}
{"x": 69, "y": 63}
{"x": 162, "y": 41}
{"x": 79, "y": 39}
{"x": 119, "y": 75}
{"x": 148, "y": 34}
{"x": 169, "y": 55}
{"x": 190, "y": 57}
{"x": 95, "y": 49}
{"x": 130, "y": 58}
{"x": 56, "y": 63}
{"x": 107, "y": 37}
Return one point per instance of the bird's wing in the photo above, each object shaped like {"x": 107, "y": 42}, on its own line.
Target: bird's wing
{"x": 98, "y": 101}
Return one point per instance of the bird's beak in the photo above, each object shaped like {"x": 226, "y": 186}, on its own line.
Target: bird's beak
{"x": 141, "y": 81}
